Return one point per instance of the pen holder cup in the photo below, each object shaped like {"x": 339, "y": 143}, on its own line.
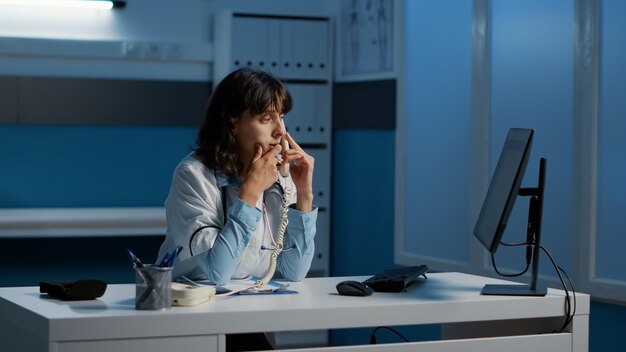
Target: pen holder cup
{"x": 153, "y": 288}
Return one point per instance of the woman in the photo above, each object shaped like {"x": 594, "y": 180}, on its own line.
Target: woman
{"x": 224, "y": 205}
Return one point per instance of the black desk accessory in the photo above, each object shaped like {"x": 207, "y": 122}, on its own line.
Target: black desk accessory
{"x": 353, "y": 288}
{"x": 396, "y": 280}
{"x": 74, "y": 290}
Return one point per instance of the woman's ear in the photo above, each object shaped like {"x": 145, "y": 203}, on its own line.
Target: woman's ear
{"x": 234, "y": 123}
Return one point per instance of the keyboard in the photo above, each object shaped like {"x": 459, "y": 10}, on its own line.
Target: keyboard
{"x": 396, "y": 280}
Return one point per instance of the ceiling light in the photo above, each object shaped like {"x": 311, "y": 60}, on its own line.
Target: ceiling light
{"x": 76, "y": 4}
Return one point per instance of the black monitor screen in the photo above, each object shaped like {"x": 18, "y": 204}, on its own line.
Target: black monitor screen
{"x": 503, "y": 188}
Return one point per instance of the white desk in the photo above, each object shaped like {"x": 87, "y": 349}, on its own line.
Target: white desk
{"x": 470, "y": 322}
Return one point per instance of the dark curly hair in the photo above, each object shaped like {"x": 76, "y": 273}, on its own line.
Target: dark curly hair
{"x": 243, "y": 89}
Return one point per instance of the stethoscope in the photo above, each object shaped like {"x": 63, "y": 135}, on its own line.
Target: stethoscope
{"x": 274, "y": 195}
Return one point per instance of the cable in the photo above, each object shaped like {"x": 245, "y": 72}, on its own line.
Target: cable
{"x": 267, "y": 224}
{"x": 493, "y": 260}
{"x": 568, "y": 305}
{"x": 373, "y": 336}
{"x": 279, "y": 241}
{"x": 570, "y": 309}
{"x": 573, "y": 312}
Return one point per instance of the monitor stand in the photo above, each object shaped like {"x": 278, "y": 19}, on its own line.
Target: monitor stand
{"x": 535, "y": 209}
{"x": 513, "y": 290}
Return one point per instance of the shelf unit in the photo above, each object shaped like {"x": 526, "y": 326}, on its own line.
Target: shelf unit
{"x": 296, "y": 49}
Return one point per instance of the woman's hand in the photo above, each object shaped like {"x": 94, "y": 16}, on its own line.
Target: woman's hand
{"x": 301, "y": 167}
{"x": 260, "y": 174}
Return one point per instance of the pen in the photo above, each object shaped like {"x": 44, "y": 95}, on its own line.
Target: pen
{"x": 172, "y": 258}
{"x": 276, "y": 291}
{"x": 134, "y": 259}
{"x": 163, "y": 261}
{"x": 169, "y": 259}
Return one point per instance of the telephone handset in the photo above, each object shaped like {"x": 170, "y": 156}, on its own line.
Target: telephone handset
{"x": 284, "y": 166}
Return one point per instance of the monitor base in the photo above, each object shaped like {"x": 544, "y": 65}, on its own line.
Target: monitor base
{"x": 513, "y": 290}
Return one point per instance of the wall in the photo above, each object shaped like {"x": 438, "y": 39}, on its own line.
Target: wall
{"x": 611, "y": 171}
{"x": 89, "y": 166}
{"x": 436, "y": 186}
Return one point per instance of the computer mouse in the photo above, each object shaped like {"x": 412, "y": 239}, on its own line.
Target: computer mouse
{"x": 353, "y": 288}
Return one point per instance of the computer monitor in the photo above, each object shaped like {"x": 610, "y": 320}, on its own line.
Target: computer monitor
{"x": 504, "y": 188}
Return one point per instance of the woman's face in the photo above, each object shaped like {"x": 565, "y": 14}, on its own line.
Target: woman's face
{"x": 265, "y": 129}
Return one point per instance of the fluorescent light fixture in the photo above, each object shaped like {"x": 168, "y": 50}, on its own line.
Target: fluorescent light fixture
{"x": 76, "y": 4}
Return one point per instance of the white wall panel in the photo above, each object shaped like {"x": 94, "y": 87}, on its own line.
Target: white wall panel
{"x": 433, "y": 137}
{"x": 611, "y": 187}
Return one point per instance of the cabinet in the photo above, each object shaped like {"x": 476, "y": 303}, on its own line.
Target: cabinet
{"x": 296, "y": 49}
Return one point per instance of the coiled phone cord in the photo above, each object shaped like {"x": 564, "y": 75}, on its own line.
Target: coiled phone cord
{"x": 279, "y": 241}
